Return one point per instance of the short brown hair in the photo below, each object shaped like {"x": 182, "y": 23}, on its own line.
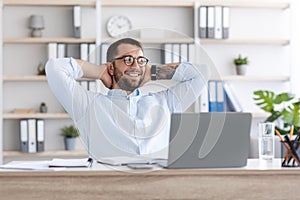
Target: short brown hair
{"x": 113, "y": 48}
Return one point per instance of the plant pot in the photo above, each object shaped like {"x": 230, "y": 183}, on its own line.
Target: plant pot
{"x": 70, "y": 143}
{"x": 241, "y": 69}
{"x": 43, "y": 109}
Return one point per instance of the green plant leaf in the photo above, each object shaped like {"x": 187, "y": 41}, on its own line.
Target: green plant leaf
{"x": 264, "y": 100}
{"x": 283, "y": 97}
{"x": 291, "y": 115}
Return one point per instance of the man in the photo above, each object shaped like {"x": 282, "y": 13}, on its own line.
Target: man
{"x": 124, "y": 122}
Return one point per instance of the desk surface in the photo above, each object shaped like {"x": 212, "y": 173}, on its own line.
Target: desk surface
{"x": 259, "y": 180}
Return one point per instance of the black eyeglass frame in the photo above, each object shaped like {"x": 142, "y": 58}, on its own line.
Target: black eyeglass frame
{"x": 123, "y": 57}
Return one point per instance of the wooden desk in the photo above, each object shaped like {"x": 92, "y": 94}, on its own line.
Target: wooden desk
{"x": 256, "y": 181}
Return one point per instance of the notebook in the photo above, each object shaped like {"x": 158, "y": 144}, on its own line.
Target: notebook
{"x": 209, "y": 140}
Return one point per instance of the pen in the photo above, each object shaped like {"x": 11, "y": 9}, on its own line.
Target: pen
{"x": 291, "y": 131}
{"x": 292, "y": 149}
{"x": 286, "y": 146}
{"x": 90, "y": 160}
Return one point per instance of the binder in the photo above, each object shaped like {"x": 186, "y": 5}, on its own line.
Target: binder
{"x": 176, "y": 53}
{"x": 24, "y": 135}
{"x": 202, "y": 22}
{"x": 218, "y": 22}
{"x": 212, "y": 96}
{"x": 231, "y": 99}
{"x": 183, "y": 52}
{"x": 225, "y": 14}
{"x": 32, "y": 135}
{"x": 52, "y": 50}
{"x": 84, "y": 51}
{"x": 40, "y": 135}
{"x": 210, "y": 22}
{"x": 92, "y": 53}
{"x": 220, "y": 97}
{"x": 204, "y": 100}
{"x": 191, "y": 53}
{"x": 167, "y": 53}
{"x": 103, "y": 52}
{"x": 77, "y": 21}
{"x": 61, "y": 50}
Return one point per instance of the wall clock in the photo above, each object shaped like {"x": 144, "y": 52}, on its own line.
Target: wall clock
{"x": 118, "y": 25}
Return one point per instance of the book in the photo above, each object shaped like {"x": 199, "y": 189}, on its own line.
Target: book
{"x": 52, "y": 50}
{"x": 167, "y": 53}
{"x": 125, "y": 160}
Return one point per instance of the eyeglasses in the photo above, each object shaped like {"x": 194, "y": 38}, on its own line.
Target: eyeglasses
{"x": 129, "y": 60}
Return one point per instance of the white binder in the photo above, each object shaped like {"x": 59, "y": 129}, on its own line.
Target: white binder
{"x": 84, "y": 51}
{"x": 218, "y": 22}
{"x": 52, "y": 50}
{"x": 210, "y": 22}
{"x": 77, "y": 21}
{"x": 202, "y": 22}
{"x": 32, "y": 135}
{"x": 40, "y": 135}
{"x": 225, "y": 22}
{"x": 24, "y": 135}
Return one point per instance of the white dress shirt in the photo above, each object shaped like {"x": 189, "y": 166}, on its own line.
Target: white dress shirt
{"x": 118, "y": 124}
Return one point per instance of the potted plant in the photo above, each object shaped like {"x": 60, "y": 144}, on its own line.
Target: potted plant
{"x": 43, "y": 107}
{"x": 282, "y": 109}
{"x": 70, "y": 133}
{"x": 240, "y": 64}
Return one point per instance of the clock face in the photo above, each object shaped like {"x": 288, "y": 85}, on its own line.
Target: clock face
{"x": 117, "y": 25}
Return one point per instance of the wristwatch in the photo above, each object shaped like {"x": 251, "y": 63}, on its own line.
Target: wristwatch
{"x": 153, "y": 72}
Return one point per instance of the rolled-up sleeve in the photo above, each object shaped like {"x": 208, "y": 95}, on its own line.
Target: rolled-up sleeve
{"x": 61, "y": 75}
{"x": 191, "y": 81}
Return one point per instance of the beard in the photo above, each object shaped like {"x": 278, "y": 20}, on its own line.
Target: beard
{"x": 125, "y": 83}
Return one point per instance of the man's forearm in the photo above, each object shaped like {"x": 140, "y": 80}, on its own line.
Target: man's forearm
{"x": 166, "y": 71}
{"x": 91, "y": 70}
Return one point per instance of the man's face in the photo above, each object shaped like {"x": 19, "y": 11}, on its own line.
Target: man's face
{"x": 128, "y": 77}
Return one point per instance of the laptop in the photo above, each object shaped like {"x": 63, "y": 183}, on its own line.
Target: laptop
{"x": 209, "y": 140}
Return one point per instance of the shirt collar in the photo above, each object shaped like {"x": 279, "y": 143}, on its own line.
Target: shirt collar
{"x": 120, "y": 92}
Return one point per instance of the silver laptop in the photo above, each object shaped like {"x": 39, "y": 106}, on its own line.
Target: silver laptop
{"x": 209, "y": 140}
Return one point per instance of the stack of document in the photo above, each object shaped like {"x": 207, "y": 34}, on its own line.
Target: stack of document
{"x": 48, "y": 164}
{"x": 125, "y": 160}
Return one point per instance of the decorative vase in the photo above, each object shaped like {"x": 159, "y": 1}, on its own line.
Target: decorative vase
{"x": 43, "y": 108}
{"x": 241, "y": 69}
{"x": 70, "y": 143}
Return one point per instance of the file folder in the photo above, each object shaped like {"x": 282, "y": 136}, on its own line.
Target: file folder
{"x": 220, "y": 97}
{"x": 40, "y": 135}
{"x": 218, "y": 22}
{"x": 24, "y": 135}
{"x": 32, "y": 135}
{"x": 225, "y": 22}
{"x": 210, "y": 22}
{"x": 212, "y": 96}
{"x": 77, "y": 21}
{"x": 202, "y": 22}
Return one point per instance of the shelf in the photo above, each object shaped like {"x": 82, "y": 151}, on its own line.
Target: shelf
{"x": 36, "y": 116}
{"x": 24, "y": 78}
{"x": 152, "y": 3}
{"x": 46, "y": 40}
{"x": 143, "y": 3}
{"x": 61, "y": 153}
{"x": 252, "y": 78}
{"x": 49, "y": 2}
{"x": 246, "y": 41}
{"x": 253, "y": 4}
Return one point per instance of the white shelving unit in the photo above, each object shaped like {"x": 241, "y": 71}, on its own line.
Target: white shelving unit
{"x": 103, "y": 11}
